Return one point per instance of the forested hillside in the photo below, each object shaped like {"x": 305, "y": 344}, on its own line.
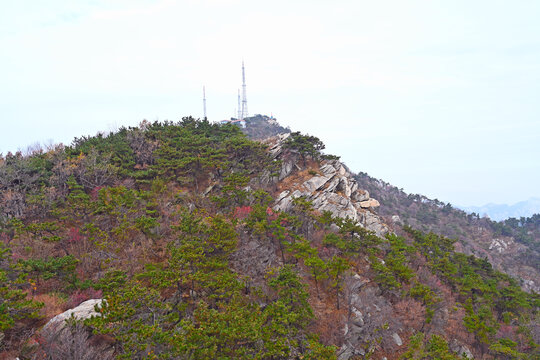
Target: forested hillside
{"x": 512, "y": 245}
{"x": 198, "y": 243}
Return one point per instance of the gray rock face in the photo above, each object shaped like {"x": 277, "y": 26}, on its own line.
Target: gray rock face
{"x": 374, "y": 223}
{"x": 254, "y": 258}
{"x": 84, "y": 311}
{"x": 328, "y": 170}
{"x": 347, "y": 351}
{"x": 397, "y": 339}
{"x": 369, "y": 203}
{"x": 334, "y": 190}
{"x": 286, "y": 169}
{"x": 367, "y": 319}
{"x": 460, "y": 349}
{"x": 315, "y": 183}
{"x": 530, "y": 286}
{"x": 360, "y": 195}
{"x": 276, "y": 150}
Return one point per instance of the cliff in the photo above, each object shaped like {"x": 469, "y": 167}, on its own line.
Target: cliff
{"x": 328, "y": 185}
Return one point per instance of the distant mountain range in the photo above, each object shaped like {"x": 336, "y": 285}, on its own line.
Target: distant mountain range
{"x": 500, "y": 212}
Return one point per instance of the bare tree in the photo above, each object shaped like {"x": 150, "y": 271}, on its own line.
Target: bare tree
{"x": 17, "y": 178}
{"x": 143, "y": 149}
{"x": 95, "y": 170}
{"x": 72, "y": 342}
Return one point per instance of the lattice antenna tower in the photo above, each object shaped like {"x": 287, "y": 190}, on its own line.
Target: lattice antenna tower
{"x": 244, "y": 97}
{"x": 239, "y": 107}
{"x": 204, "y": 102}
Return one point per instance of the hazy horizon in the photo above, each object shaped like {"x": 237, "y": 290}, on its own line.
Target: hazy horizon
{"x": 436, "y": 98}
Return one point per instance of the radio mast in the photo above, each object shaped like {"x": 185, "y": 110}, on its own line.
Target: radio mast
{"x": 244, "y": 97}
{"x": 204, "y": 102}
{"x": 239, "y": 106}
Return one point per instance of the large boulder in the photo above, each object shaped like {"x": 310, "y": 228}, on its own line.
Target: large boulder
{"x": 61, "y": 338}
{"x": 460, "y": 349}
{"x": 84, "y": 311}
{"x": 369, "y": 203}
{"x": 315, "y": 183}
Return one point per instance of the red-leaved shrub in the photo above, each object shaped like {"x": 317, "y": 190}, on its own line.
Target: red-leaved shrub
{"x": 80, "y": 296}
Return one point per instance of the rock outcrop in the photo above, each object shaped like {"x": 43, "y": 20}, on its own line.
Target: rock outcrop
{"x": 460, "y": 349}
{"x": 61, "y": 338}
{"x": 84, "y": 311}
{"x": 331, "y": 188}
{"x": 254, "y": 258}
{"x": 370, "y": 321}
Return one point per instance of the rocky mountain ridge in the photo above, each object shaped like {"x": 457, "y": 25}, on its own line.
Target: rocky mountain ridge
{"x": 392, "y": 208}
{"x": 329, "y": 188}
{"x": 210, "y": 245}
{"x": 476, "y": 235}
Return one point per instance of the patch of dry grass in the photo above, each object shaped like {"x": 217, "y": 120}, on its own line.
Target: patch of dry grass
{"x": 53, "y": 304}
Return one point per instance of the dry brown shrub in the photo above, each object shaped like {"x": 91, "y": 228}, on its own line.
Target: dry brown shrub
{"x": 292, "y": 181}
{"x": 329, "y": 322}
{"x": 52, "y": 304}
{"x": 411, "y": 312}
{"x": 329, "y": 325}
{"x": 455, "y": 328}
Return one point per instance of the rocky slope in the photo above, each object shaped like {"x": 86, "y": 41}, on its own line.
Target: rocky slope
{"x": 375, "y": 321}
{"x": 504, "y": 247}
{"x": 477, "y": 236}
{"x": 328, "y": 185}
{"x": 210, "y": 245}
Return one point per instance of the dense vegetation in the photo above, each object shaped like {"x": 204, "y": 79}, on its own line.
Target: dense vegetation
{"x": 152, "y": 219}
{"x": 475, "y": 233}
{"x": 428, "y": 214}
{"x": 526, "y": 230}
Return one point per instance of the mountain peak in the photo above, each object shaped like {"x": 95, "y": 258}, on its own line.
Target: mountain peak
{"x": 197, "y": 242}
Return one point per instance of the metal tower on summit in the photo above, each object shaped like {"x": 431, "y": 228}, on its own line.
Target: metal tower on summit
{"x": 244, "y": 112}
{"x": 204, "y": 102}
{"x": 239, "y": 106}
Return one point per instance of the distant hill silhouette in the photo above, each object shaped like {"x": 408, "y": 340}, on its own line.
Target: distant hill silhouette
{"x": 500, "y": 212}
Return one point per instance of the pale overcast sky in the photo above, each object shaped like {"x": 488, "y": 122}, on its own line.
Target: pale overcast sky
{"x": 438, "y": 97}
